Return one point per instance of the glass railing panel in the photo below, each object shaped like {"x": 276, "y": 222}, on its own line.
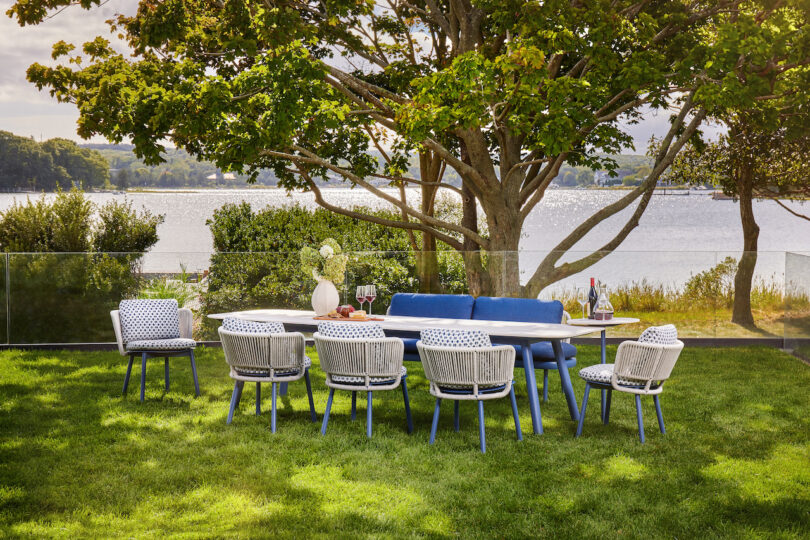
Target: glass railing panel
{"x": 797, "y": 303}
{"x": 4, "y": 283}
{"x": 657, "y": 287}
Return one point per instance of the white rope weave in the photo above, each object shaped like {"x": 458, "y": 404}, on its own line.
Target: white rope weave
{"x": 264, "y": 357}
{"x": 369, "y": 360}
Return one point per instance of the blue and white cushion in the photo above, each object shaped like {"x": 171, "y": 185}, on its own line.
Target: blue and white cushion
{"x": 444, "y": 337}
{"x": 148, "y": 320}
{"x": 343, "y": 379}
{"x": 660, "y": 335}
{"x": 350, "y": 330}
{"x": 252, "y": 327}
{"x": 602, "y": 373}
{"x": 176, "y": 344}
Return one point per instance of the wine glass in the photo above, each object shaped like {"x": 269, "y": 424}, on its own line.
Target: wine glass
{"x": 371, "y": 295}
{"x": 582, "y": 298}
{"x": 360, "y": 295}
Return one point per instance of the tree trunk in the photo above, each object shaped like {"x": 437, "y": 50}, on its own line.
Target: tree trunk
{"x": 427, "y": 261}
{"x": 503, "y": 259}
{"x": 743, "y": 279}
{"x": 477, "y": 276}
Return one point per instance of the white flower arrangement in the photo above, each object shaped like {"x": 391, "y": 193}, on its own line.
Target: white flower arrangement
{"x": 327, "y": 262}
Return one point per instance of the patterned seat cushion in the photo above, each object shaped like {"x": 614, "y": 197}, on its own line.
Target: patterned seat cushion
{"x": 252, "y": 327}
{"x": 266, "y": 372}
{"x": 350, "y": 330}
{"x": 343, "y": 379}
{"x": 176, "y": 344}
{"x": 149, "y": 320}
{"x": 660, "y": 335}
{"x": 602, "y": 373}
{"x": 444, "y": 337}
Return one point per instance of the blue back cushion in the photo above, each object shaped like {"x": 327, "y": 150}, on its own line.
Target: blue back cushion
{"x": 517, "y": 310}
{"x": 448, "y": 306}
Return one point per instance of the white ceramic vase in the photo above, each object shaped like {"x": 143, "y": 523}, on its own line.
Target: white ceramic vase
{"x": 325, "y": 298}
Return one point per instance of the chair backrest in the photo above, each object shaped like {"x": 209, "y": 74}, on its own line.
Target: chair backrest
{"x": 358, "y": 349}
{"x": 453, "y": 357}
{"x": 530, "y": 310}
{"x": 649, "y": 360}
{"x": 448, "y": 306}
{"x": 251, "y": 345}
{"x": 149, "y": 319}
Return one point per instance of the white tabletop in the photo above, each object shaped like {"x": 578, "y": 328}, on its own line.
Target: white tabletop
{"x": 415, "y": 324}
{"x": 615, "y": 321}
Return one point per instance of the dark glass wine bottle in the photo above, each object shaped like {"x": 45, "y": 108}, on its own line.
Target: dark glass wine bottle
{"x": 592, "y": 297}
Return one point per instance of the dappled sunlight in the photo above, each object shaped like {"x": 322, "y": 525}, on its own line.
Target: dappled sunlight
{"x": 785, "y": 473}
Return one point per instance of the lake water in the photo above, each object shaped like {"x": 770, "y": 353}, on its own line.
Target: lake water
{"x": 677, "y": 236}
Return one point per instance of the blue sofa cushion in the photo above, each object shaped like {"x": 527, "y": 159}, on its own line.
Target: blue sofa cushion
{"x": 448, "y": 306}
{"x": 517, "y": 310}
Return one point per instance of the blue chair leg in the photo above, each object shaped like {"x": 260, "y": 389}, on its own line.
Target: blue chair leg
{"x": 640, "y": 419}
{"x": 582, "y": 413}
{"x": 234, "y": 400}
{"x": 273, "y": 411}
{"x": 456, "y": 420}
{"x": 545, "y": 386}
{"x": 129, "y": 372}
{"x": 309, "y": 394}
{"x": 143, "y": 375}
{"x": 194, "y": 373}
{"x": 326, "y": 412}
{"x": 515, "y": 412}
{"x": 607, "y": 407}
{"x": 660, "y": 416}
{"x": 435, "y": 420}
{"x": 481, "y": 434}
{"x": 282, "y": 389}
{"x": 408, "y": 417}
{"x": 239, "y": 395}
{"x": 368, "y": 415}
{"x": 354, "y": 406}
{"x": 258, "y": 398}
{"x": 166, "y": 371}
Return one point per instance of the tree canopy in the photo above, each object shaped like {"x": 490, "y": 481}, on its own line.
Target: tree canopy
{"x": 502, "y": 92}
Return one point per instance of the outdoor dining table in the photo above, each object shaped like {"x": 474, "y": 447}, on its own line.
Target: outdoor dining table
{"x": 603, "y": 326}
{"x": 505, "y": 332}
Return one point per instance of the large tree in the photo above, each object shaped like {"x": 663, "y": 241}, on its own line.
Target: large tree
{"x": 502, "y": 92}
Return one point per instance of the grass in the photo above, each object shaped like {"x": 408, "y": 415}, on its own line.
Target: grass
{"x": 79, "y": 460}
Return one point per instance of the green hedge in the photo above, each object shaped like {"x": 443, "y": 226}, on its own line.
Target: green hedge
{"x": 256, "y": 262}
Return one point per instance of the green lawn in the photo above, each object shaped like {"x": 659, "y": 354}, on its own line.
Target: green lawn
{"x": 79, "y": 460}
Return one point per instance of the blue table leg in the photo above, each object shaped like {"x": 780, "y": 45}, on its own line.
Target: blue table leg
{"x": 531, "y": 387}
{"x": 604, "y": 360}
{"x": 565, "y": 379}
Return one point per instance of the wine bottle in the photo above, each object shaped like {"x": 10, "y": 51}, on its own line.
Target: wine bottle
{"x": 592, "y": 297}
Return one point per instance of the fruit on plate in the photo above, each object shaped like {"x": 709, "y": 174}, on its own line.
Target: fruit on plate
{"x": 346, "y": 310}
{"x": 359, "y": 314}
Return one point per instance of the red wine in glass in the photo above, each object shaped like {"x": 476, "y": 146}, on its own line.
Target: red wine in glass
{"x": 371, "y": 295}
{"x": 360, "y": 295}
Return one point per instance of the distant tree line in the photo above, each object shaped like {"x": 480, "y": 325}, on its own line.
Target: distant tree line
{"x": 178, "y": 171}
{"x": 26, "y": 164}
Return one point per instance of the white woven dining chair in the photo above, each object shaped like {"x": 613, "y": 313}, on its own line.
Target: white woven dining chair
{"x": 641, "y": 368}
{"x": 152, "y": 328}
{"x": 358, "y": 357}
{"x": 462, "y": 365}
{"x": 264, "y": 352}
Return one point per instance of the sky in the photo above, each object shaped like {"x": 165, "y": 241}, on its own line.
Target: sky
{"x": 28, "y": 112}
